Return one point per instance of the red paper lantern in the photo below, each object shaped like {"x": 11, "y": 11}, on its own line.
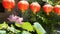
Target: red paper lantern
{"x": 57, "y": 9}
{"x": 8, "y": 4}
{"x": 35, "y": 7}
{"x": 23, "y": 5}
{"x": 47, "y": 8}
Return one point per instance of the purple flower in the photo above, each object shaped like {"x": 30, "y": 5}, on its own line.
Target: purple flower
{"x": 14, "y": 18}
{"x": 19, "y": 20}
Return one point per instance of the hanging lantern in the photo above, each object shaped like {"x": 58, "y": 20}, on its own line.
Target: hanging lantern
{"x": 35, "y": 7}
{"x": 57, "y": 9}
{"x": 23, "y": 5}
{"x": 8, "y": 4}
{"x": 47, "y": 8}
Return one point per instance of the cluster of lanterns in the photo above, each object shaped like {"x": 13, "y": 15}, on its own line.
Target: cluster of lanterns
{"x": 34, "y": 6}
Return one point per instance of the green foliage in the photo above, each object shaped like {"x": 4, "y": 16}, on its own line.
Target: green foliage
{"x": 39, "y": 29}
{"x": 25, "y": 25}
{"x": 11, "y": 28}
{"x": 3, "y": 25}
{"x": 25, "y": 32}
{"x": 17, "y": 31}
{"x": 58, "y": 3}
{"x": 2, "y": 32}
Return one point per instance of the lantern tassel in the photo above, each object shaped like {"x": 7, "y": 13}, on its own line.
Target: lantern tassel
{"x": 9, "y": 10}
{"x": 47, "y": 13}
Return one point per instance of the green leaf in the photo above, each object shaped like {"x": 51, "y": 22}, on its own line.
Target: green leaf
{"x": 2, "y": 32}
{"x": 10, "y": 33}
{"x": 25, "y": 32}
{"x": 17, "y": 31}
{"x": 18, "y": 25}
{"x": 25, "y": 25}
{"x": 11, "y": 28}
{"x": 39, "y": 29}
{"x": 58, "y": 3}
{"x": 4, "y": 25}
{"x": 0, "y": 26}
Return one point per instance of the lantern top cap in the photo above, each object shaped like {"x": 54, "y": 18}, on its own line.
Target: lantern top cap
{"x": 35, "y": 3}
{"x": 9, "y": 0}
{"x": 48, "y": 5}
{"x": 57, "y": 6}
{"x": 23, "y": 1}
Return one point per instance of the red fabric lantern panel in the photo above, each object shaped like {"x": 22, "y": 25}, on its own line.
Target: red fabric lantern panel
{"x": 57, "y": 9}
{"x": 35, "y": 7}
{"x": 47, "y": 8}
{"x": 8, "y": 4}
{"x": 23, "y": 5}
